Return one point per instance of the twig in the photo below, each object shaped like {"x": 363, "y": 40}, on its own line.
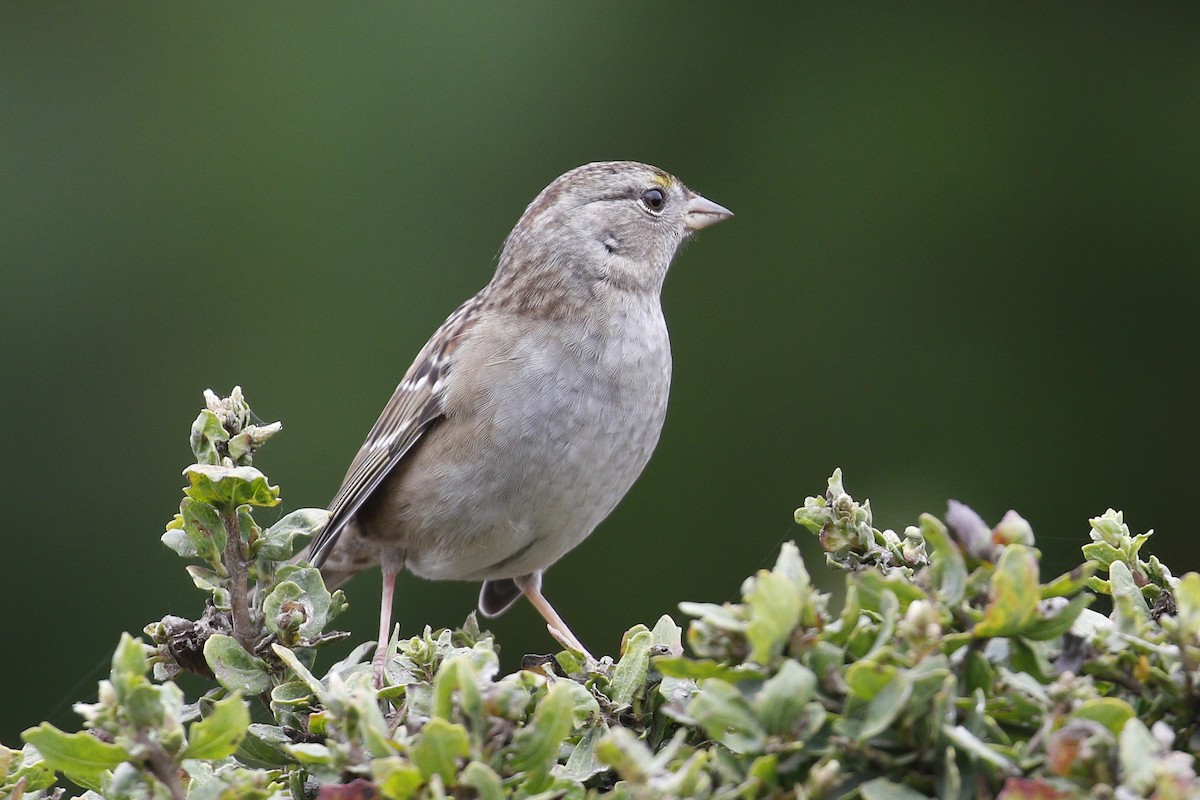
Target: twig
{"x": 162, "y": 766}
{"x": 235, "y": 565}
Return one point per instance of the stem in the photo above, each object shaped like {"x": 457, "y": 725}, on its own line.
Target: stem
{"x": 235, "y": 565}
{"x": 162, "y": 766}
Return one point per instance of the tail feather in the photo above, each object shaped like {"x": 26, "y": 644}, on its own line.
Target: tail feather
{"x": 497, "y": 596}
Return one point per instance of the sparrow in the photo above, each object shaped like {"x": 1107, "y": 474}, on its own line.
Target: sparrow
{"x": 531, "y": 411}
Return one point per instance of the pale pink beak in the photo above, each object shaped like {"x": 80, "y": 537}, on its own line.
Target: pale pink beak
{"x": 702, "y": 212}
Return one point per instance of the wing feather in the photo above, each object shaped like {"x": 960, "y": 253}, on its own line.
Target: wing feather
{"x": 414, "y": 408}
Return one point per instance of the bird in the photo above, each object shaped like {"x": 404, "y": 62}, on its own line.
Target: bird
{"x": 531, "y": 411}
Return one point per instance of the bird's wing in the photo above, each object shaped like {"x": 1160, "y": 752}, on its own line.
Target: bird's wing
{"x": 413, "y": 409}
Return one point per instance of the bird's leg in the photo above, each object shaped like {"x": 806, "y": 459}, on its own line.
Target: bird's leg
{"x": 558, "y": 629}
{"x": 385, "y": 622}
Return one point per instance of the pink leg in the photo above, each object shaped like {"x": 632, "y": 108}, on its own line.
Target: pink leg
{"x": 558, "y": 629}
{"x": 385, "y": 624}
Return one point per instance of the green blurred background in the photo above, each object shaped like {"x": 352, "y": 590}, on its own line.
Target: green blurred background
{"x": 963, "y": 265}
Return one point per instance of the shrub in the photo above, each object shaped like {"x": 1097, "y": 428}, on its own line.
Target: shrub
{"x": 949, "y": 671}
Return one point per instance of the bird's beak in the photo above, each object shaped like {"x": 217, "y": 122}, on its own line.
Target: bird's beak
{"x": 702, "y": 212}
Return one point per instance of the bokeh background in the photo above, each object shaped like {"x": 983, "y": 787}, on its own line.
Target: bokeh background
{"x": 964, "y": 264}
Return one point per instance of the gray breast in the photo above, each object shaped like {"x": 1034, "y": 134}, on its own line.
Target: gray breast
{"x": 566, "y": 423}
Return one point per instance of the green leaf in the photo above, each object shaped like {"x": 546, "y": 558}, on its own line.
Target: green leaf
{"x": 299, "y": 605}
{"x": 264, "y": 747}
{"x": 208, "y": 580}
{"x": 700, "y": 668}
{"x": 535, "y": 747}
{"x": 207, "y": 434}
{"x": 723, "y": 617}
{"x": 790, "y": 565}
{"x": 483, "y": 780}
{"x": 873, "y": 586}
{"x": 629, "y": 676}
{"x": 727, "y": 718}
{"x": 815, "y": 513}
{"x": 229, "y": 487}
{"x": 234, "y": 668}
{"x": 624, "y": 752}
{"x": 370, "y": 729}
{"x": 311, "y": 754}
{"x": 946, "y": 562}
{"x": 37, "y": 775}
{"x": 1047, "y": 628}
{"x": 26, "y": 764}
{"x": 1111, "y": 529}
{"x": 668, "y": 635}
{"x": 844, "y": 629}
{"x": 883, "y": 789}
{"x": 584, "y": 762}
{"x": 780, "y": 704}
{"x": 1139, "y": 756}
{"x": 396, "y": 778}
{"x": 249, "y": 530}
{"x": 1187, "y": 603}
{"x": 885, "y": 706}
{"x": 204, "y": 528}
{"x": 970, "y": 744}
{"x": 1111, "y": 712}
{"x": 1069, "y": 583}
{"x": 293, "y": 694}
{"x": 1013, "y": 529}
{"x": 584, "y": 705}
{"x": 284, "y": 611}
{"x": 143, "y": 705}
{"x": 775, "y": 608}
{"x": 979, "y": 672}
{"x": 455, "y": 675}
{"x": 1132, "y": 612}
{"x": 80, "y": 756}
{"x": 176, "y": 539}
{"x": 1015, "y": 594}
{"x": 221, "y": 732}
{"x": 303, "y": 673}
{"x": 765, "y": 770}
{"x": 281, "y": 541}
{"x": 129, "y": 665}
{"x": 888, "y": 608}
{"x": 1102, "y": 553}
{"x": 440, "y": 745}
{"x": 887, "y": 690}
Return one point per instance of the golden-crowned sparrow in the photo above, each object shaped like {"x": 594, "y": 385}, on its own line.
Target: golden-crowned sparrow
{"x": 533, "y": 408}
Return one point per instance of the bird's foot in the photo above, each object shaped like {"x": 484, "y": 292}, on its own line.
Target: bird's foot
{"x": 377, "y": 664}
{"x": 568, "y": 640}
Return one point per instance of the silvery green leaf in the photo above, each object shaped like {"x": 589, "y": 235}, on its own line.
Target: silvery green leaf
{"x": 583, "y": 763}
{"x": 264, "y": 747}
{"x": 629, "y": 675}
{"x": 80, "y": 756}
{"x": 1129, "y": 604}
{"x": 1015, "y": 594}
{"x": 207, "y": 435}
{"x": 775, "y": 606}
{"x": 947, "y": 565}
{"x": 229, "y": 487}
{"x": 436, "y": 752}
{"x": 883, "y": 789}
{"x": 726, "y": 717}
{"x": 221, "y": 732}
{"x": 283, "y": 539}
{"x": 233, "y": 667}
{"x": 779, "y": 704}
{"x": 535, "y": 747}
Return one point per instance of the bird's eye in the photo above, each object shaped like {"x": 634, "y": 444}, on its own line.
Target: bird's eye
{"x": 653, "y": 199}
